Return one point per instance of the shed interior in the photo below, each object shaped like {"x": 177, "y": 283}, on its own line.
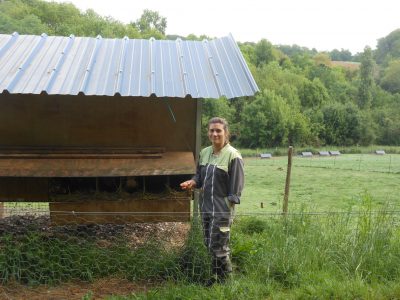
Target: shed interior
{"x": 81, "y": 148}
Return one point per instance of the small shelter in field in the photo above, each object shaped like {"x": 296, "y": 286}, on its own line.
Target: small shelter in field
{"x": 306, "y": 154}
{"x": 95, "y": 125}
{"x": 334, "y": 153}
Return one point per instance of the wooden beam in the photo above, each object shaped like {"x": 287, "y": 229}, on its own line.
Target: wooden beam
{"x": 120, "y": 212}
{"x": 171, "y": 163}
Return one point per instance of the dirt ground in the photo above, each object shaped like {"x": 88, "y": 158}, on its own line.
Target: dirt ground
{"x": 99, "y": 289}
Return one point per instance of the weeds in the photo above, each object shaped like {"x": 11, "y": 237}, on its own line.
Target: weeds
{"x": 337, "y": 256}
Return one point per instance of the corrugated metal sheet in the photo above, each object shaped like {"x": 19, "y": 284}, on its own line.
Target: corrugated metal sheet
{"x": 95, "y": 66}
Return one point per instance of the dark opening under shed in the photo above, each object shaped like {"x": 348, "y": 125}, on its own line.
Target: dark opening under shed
{"x": 108, "y": 125}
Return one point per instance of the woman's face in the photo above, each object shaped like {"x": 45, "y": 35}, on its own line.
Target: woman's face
{"x": 217, "y": 134}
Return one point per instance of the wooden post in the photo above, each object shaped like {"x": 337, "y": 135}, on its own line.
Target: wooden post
{"x": 1, "y": 210}
{"x": 287, "y": 185}
{"x": 199, "y": 107}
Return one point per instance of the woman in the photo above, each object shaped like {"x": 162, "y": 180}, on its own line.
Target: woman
{"x": 220, "y": 179}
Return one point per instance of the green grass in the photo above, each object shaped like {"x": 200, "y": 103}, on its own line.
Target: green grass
{"x": 321, "y": 183}
{"x": 338, "y": 256}
{"x": 303, "y": 256}
{"x": 40, "y": 258}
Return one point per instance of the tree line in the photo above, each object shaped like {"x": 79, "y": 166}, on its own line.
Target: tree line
{"x": 306, "y": 97}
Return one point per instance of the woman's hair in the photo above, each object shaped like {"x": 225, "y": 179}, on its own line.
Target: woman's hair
{"x": 222, "y": 121}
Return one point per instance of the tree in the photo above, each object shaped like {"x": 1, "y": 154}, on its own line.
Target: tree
{"x": 269, "y": 121}
{"x": 313, "y": 94}
{"x": 151, "y": 21}
{"x": 193, "y": 37}
{"x": 366, "y": 79}
{"x": 343, "y": 124}
{"x": 17, "y": 16}
{"x": 391, "y": 77}
{"x": 296, "y": 50}
{"x": 388, "y": 122}
{"x": 342, "y": 55}
{"x": 263, "y": 52}
{"x": 388, "y": 48}
{"x": 322, "y": 59}
{"x": 248, "y": 51}
{"x": 60, "y": 18}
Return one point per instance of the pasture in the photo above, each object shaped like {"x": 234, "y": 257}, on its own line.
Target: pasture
{"x": 322, "y": 184}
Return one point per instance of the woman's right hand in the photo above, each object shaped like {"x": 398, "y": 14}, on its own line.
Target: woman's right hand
{"x": 188, "y": 184}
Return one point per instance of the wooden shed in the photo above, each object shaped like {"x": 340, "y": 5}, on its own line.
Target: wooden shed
{"x": 103, "y": 127}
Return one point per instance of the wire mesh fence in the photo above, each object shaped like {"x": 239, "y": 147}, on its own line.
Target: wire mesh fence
{"x": 323, "y": 183}
{"x": 40, "y": 259}
{"x": 358, "y": 162}
{"x": 103, "y": 253}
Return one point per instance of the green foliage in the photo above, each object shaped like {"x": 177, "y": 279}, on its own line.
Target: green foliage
{"x": 343, "y": 125}
{"x": 253, "y": 225}
{"x": 388, "y": 47}
{"x": 151, "y": 21}
{"x": 265, "y": 121}
{"x": 388, "y": 121}
{"x": 296, "y": 50}
{"x": 270, "y": 121}
{"x": 305, "y": 96}
{"x": 17, "y": 16}
{"x": 366, "y": 79}
{"x": 313, "y": 94}
{"x": 338, "y": 87}
{"x": 248, "y": 51}
{"x": 342, "y": 55}
{"x": 391, "y": 77}
{"x": 264, "y": 53}
{"x": 37, "y": 16}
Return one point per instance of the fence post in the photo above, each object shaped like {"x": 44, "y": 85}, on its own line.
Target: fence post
{"x": 195, "y": 208}
{"x": 287, "y": 184}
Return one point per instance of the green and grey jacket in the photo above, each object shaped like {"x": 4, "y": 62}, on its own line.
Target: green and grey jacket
{"x": 220, "y": 178}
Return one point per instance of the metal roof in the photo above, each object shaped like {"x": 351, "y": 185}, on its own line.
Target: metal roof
{"x": 99, "y": 66}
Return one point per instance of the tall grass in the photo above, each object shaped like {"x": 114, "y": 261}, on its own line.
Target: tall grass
{"x": 302, "y": 256}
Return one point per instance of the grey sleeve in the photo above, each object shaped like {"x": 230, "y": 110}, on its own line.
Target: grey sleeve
{"x": 236, "y": 180}
{"x": 197, "y": 177}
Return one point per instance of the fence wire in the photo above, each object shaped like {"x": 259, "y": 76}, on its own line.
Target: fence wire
{"x": 355, "y": 162}
{"x": 40, "y": 260}
{"x": 98, "y": 254}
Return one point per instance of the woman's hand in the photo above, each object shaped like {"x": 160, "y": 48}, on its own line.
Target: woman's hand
{"x": 188, "y": 185}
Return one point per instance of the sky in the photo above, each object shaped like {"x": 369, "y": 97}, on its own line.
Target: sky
{"x": 320, "y": 24}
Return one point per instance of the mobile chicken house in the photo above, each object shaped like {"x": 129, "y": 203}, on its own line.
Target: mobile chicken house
{"x": 94, "y": 126}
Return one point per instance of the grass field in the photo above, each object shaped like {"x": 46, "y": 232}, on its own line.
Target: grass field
{"x": 322, "y": 183}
